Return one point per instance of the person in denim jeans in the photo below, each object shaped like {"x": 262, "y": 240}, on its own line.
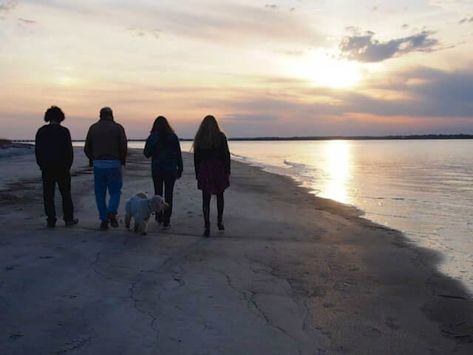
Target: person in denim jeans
{"x": 106, "y": 148}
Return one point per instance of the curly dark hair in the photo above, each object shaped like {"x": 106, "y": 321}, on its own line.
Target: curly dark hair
{"x": 55, "y": 114}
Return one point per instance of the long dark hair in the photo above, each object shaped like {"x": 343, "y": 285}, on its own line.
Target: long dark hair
{"x": 208, "y": 135}
{"x": 162, "y": 127}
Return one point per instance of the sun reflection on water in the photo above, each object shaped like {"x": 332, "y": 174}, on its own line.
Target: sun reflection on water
{"x": 338, "y": 171}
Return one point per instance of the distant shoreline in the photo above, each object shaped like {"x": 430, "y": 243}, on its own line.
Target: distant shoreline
{"x": 315, "y": 138}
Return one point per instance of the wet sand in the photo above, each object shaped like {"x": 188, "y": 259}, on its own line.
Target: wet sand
{"x": 291, "y": 274}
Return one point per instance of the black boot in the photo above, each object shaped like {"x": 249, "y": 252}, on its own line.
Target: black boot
{"x": 220, "y": 204}
{"x": 206, "y": 222}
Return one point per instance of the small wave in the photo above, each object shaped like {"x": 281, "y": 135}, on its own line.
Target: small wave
{"x": 295, "y": 165}
{"x": 239, "y": 157}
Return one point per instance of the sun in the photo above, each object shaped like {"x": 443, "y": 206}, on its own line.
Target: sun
{"x": 325, "y": 69}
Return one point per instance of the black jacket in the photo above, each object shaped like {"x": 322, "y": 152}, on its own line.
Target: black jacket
{"x": 106, "y": 140}
{"x": 53, "y": 147}
{"x": 220, "y": 152}
{"x": 165, "y": 152}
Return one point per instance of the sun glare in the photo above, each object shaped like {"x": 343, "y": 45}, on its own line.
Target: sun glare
{"x": 338, "y": 171}
{"x": 325, "y": 69}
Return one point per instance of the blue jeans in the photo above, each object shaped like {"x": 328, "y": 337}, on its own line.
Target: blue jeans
{"x": 107, "y": 179}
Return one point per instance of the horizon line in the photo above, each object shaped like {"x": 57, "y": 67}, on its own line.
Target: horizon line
{"x": 315, "y": 138}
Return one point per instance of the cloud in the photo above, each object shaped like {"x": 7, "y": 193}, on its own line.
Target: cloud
{"x": 26, "y": 21}
{"x": 421, "y": 93}
{"x": 294, "y": 52}
{"x": 144, "y": 32}
{"x": 452, "y": 5}
{"x": 213, "y": 21}
{"x": 7, "y": 5}
{"x": 465, "y": 20}
{"x": 364, "y": 48}
{"x": 271, "y": 6}
{"x": 239, "y": 23}
{"x": 245, "y": 118}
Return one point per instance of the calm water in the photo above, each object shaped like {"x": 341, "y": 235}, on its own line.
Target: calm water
{"x": 423, "y": 188}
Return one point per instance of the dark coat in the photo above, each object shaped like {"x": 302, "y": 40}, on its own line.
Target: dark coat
{"x": 106, "y": 140}
{"x": 165, "y": 153}
{"x": 221, "y": 152}
{"x": 53, "y": 148}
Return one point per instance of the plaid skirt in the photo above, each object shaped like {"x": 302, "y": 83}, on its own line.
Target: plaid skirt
{"x": 211, "y": 176}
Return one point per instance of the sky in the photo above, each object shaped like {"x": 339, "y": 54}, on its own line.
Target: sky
{"x": 262, "y": 68}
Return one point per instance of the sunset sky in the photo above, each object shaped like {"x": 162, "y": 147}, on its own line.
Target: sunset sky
{"x": 263, "y": 68}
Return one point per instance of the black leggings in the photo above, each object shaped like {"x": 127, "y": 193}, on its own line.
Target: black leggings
{"x": 206, "y": 196}
{"x": 165, "y": 181}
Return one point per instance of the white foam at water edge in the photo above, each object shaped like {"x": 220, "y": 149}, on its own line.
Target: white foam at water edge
{"x": 14, "y": 151}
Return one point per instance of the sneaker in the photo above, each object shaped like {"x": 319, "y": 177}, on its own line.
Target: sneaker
{"x": 221, "y": 227}
{"x": 166, "y": 225}
{"x": 104, "y": 225}
{"x": 206, "y": 232}
{"x": 72, "y": 222}
{"x": 113, "y": 220}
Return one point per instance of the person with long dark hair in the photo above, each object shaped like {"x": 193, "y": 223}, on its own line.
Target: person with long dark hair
{"x": 54, "y": 155}
{"x": 212, "y": 168}
{"x": 163, "y": 147}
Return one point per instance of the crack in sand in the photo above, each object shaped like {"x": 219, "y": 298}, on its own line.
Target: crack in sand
{"x": 95, "y": 262}
{"x": 74, "y": 345}
{"x": 135, "y": 301}
{"x": 250, "y": 301}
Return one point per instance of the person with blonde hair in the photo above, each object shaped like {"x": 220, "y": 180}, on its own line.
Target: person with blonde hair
{"x": 212, "y": 168}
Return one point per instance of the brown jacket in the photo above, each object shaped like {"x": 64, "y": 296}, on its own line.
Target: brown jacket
{"x": 106, "y": 140}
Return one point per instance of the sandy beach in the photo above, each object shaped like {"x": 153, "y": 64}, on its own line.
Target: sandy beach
{"x": 291, "y": 274}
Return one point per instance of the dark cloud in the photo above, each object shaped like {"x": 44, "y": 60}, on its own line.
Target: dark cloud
{"x": 364, "y": 48}
{"x": 422, "y": 93}
{"x": 465, "y": 20}
{"x": 26, "y": 21}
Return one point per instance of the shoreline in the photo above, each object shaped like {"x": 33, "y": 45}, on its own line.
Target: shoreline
{"x": 454, "y": 262}
{"x": 292, "y": 273}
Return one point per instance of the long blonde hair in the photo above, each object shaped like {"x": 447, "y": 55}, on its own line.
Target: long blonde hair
{"x": 208, "y": 135}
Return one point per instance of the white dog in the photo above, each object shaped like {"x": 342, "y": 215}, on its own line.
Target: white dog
{"x": 140, "y": 208}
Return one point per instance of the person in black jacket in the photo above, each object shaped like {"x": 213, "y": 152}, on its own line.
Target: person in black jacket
{"x": 212, "y": 168}
{"x": 54, "y": 155}
{"x": 163, "y": 147}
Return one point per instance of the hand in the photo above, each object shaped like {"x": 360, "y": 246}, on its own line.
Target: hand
{"x": 178, "y": 174}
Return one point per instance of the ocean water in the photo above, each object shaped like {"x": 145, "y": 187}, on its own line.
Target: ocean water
{"x": 423, "y": 188}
